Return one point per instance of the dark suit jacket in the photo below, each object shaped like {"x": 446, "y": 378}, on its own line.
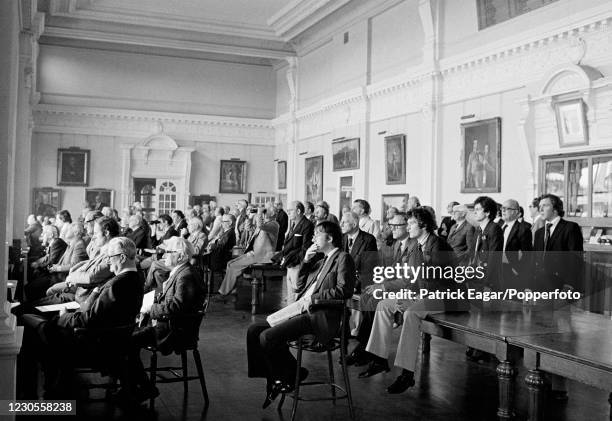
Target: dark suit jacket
{"x": 563, "y": 261}
{"x": 297, "y": 242}
{"x": 72, "y": 255}
{"x": 519, "y": 239}
{"x": 221, "y": 250}
{"x": 54, "y": 253}
{"x": 283, "y": 224}
{"x": 117, "y": 304}
{"x": 489, "y": 253}
{"x": 139, "y": 237}
{"x": 457, "y": 239}
{"x": 182, "y": 224}
{"x": 445, "y": 226}
{"x": 365, "y": 256}
{"x": 171, "y": 232}
{"x": 183, "y": 294}
{"x": 336, "y": 282}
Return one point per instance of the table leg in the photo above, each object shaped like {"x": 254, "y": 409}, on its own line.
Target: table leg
{"x": 425, "y": 343}
{"x": 505, "y": 379}
{"x": 535, "y": 383}
{"x": 255, "y": 288}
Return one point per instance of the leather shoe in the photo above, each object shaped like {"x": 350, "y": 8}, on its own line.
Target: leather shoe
{"x": 375, "y": 367}
{"x": 289, "y": 386}
{"x": 400, "y": 384}
{"x": 275, "y": 390}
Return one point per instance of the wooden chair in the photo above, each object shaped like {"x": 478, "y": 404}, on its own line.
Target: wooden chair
{"x": 339, "y": 342}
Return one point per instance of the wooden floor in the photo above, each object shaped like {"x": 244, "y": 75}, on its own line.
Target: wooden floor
{"x": 447, "y": 388}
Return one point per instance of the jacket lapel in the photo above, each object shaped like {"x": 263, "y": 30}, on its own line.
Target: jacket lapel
{"x": 324, "y": 270}
{"x": 171, "y": 281}
{"x": 357, "y": 244}
{"x": 555, "y": 234}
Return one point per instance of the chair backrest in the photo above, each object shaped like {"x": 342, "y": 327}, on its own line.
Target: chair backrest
{"x": 101, "y": 347}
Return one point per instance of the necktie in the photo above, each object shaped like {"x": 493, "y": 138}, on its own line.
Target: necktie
{"x": 504, "y": 227}
{"x": 547, "y": 235}
{"x": 420, "y": 257}
{"x": 350, "y": 244}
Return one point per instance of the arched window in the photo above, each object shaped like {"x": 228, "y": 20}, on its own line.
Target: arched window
{"x": 166, "y": 198}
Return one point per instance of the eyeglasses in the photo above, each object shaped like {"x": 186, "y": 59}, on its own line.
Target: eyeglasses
{"x": 171, "y": 251}
{"x": 397, "y": 226}
{"x": 113, "y": 255}
{"x": 504, "y": 209}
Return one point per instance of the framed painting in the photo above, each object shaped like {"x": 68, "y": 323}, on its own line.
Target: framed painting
{"x": 346, "y": 194}
{"x": 99, "y": 198}
{"x": 232, "y": 178}
{"x": 314, "y": 179}
{"x": 46, "y": 201}
{"x": 72, "y": 167}
{"x": 571, "y": 122}
{"x": 281, "y": 171}
{"x": 395, "y": 159}
{"x": 481, "y": 156}
{"x": 392, "y": 200}
{"x": 346, "y": 154}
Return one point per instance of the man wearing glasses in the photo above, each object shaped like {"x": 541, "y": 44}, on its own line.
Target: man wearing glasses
{"x": 220, "y": 249}
{"x": 517, "y": 247}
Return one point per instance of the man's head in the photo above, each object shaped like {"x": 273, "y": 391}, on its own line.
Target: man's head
{"x": 242, "y": 205}
{"x": 349, "y": 223}
{"x": 308, "y": 208}
{"x": 327, "y": 236}
{"x": 399, "y": 227}
{"x": 270, "y": 212}
{"x": 178, "y": 251}
{"x": 295, "y": 210}
{"x": 420, "y": 222}
{"x": 485, "y": 208}
{"x": 459, "y": 212}
{"x": 534, "y": 207}
{"x": 165, "y": 221}
{"x": 90, "y": 219}
{"x": 195, "y": 225}
{"x": 361, "y": 207}
{"x": 450, "y": 206}
{"x": 551, "y": 206}
{"x": 49, "y": 232}
{"x": 105, "y": 229}
{"x": 64, "y": 216}
{"x": 278, "y": 204}
{"x": 227, "y": 222}
{"x": 321, "y": 211}
{"x": 121, "y": 254}
{"x": 31, "y": 220}
{"x": 177, "y": 216}
{"x": 134, "y": 221}
{"x": 76, "y": 231}
{"x": 510, "y": 210}
{"x": 107, "y": 211}
{"x": 391, "y": 212}
{"x": 413, "y": 202}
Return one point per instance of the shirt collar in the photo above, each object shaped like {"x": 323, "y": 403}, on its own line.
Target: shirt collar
{"x": 484, "y": 223}
{"x": 353, "y": 236}
{"x": 509, "y": 225}
{"x": 424, "y": 239}
{"x": 331, "y": 252}
{"x": 554, "y": 222}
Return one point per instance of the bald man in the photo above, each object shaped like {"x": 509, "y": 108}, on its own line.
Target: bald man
{"x": 516, "y": 262}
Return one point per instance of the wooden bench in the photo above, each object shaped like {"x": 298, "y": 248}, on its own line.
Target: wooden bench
{"x": 259, "y": 274}
{"x": 562, "y": 342}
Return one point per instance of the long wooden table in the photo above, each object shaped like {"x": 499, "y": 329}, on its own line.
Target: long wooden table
{"x": 560, "y": 341}
{"x": 260, "y": 272}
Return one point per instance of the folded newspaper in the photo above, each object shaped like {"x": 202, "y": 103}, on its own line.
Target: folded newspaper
{"x": 286, "y": 313}
{"x": 71, "y": 305}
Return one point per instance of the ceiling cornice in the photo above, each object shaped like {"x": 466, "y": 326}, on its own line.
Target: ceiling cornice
{"x": 299, "y": 15}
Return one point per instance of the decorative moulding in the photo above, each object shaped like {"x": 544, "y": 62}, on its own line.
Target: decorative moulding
{"x": 299, "y": 15}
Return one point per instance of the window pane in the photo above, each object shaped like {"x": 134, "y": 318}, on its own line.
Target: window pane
{"x": 554, "y": 178}
{"x": 602, "y": 187}
{"x": 578, "y": 185}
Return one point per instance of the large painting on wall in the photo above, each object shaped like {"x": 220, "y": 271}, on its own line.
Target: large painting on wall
{"x": 99, "y": 198}
{"x": 282, "y": 174}
{"x": 72, "y": 167}
{"x": 395, "y": 159}
{"x": 314, "y": 178}
{"x": 346, "y": 154}
{"x": 232, "y": 178}
{"x": 46, "y": 201}
{"x": 481, "y": 156}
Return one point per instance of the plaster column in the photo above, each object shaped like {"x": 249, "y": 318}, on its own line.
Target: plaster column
{"x": 292, "y": 132}
{"x": 10, "y": 335}
{"x": 529, "y": 157}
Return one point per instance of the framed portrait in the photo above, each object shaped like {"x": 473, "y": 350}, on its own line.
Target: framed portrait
{"x": 395, "y": 159}
{"x": 392, "y": 200}
{"x": 72, "y": 167}
{"x": 571, "y": 122}
{"x": 46, "y": 201}
{"x": 232, "y": 178}
{"x": 99, "y": 198}
{"x": 346, "y": 154}
{"x": 346, "y": 194}
{"x": 481, "y": 156}
{"x": 314, "y": 178}
{"x": 281, "y": 171}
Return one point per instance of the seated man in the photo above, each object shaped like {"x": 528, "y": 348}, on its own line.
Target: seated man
{"x": 165, "y": 230}
{"x": 55, "y": 247}
{"x": 182, "y": 294}
{"x": 220, "y": 250}
{"x": 137, "y": 232}
{"x": 431, "y": 250}
{"x": 332, "y": 277}
{"x": 53, "y": 343}
{"x": 259, "y": 250}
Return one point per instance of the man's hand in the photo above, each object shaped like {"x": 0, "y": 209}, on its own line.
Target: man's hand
{"x": 372, "y": 287}
{"x": 53, "y": 268}
{"x": 312, "y": 250}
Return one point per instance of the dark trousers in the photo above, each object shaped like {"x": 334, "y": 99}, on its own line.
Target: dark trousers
{"x": 267, "y": 350}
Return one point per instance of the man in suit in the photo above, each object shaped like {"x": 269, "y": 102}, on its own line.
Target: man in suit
{"x": 309, "y": 207}
{"x": 241, "y": 217}
{"x": 221, "y": 248}
{"x": 366, "y": 223}
{"x": 558, "y": 246}
{"x": 75, "y": 252}
{"x": 260, "y": 249}
{"x": 517, "y": 247}
{"x": 332, "y": 277}
{"x": 297, "y": 240}
{"x": 486, "y": 241}
{"x": 321, "y": 212}
{"x": 137, "y": 232}
{"x": 430, "y": 251}
{"x": 283, "y": 224}
{"x": 55, "y": 247}
{"x": 537, "y": 221}
{"x": 457, "y": 236}
{"x": 114, "y": 304}
{"x": 178, "y": 220}
{"x": 447, "y": 221}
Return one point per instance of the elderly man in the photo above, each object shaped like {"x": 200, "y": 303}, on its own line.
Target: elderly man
{"x": 457, "y": 236}
{"x": 137, "y": 232}
{"x": 220, "y": 248}
{"x": 74, "y": 253}
{"x": 241, "y": 217}
{"x": 447, "y": 221}
{"x": 321, "y": 212}
{"x": 386, "y": 231}
{"x": 88, "y": 222}
{"x": 516, "y": 256}
{"x": 260, "y": 249}
{"x": 429, "y": 250}
{"x": 39, "y": 278}
{"x": 114, "y": 304}
{"x": 362, "y": 208}
{"x": 182, "y": 294}
{"x": 32, "y": 233}
{"x": 283, "y": 224}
